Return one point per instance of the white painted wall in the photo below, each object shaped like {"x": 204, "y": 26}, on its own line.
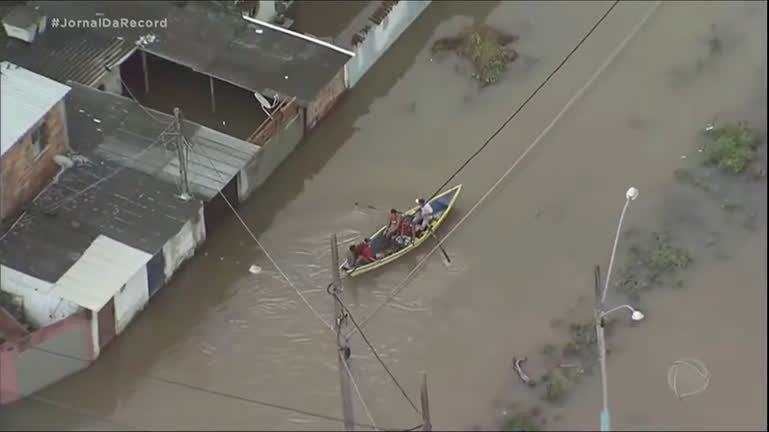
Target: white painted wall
{"x": 181, "y": 247}
{"x": 95, "y": 334}
{"x": 112, "y": 82}
{"x": 40, "y": 308}
{"x": 131, "y": 299}
{"x": 381, "y": 37}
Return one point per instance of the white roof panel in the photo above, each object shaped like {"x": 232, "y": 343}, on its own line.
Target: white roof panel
{"x": 25, "y": 97}
{"x": 100, "y": 273}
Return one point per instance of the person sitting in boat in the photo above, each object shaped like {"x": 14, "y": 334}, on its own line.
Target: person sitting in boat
{"x": 393, "y": 223}
{"x": 352, "y": 258}
{"x": 393, "y": 226}
{"x": 407, "y": 233}
{"x": 359, "y": 254}
{"x": 423, "y": 217}
{"x": 365, "y": 256}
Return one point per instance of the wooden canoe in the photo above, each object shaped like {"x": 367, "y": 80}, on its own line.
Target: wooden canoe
{"x": 441, "y": 204}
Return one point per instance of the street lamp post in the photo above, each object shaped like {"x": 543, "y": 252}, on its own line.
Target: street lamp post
{"x": 601, "y": 313}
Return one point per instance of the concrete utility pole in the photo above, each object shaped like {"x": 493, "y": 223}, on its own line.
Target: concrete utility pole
{"x": 426, "y": 424}
{"x": 183, "y": 152}
{"x": 343, "y": 352}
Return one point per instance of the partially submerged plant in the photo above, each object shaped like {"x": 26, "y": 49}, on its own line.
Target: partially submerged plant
{"x": 488, "y": 49}
{"x": 666, "y": 257}
{"x": 521, "y": 422}
{"x": 731, "y": 147}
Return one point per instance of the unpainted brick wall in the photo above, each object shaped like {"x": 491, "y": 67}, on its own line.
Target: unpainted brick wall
{"x": 22, "y": 175}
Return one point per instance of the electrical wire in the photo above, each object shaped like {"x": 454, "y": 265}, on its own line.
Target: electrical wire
{"x": 84, "y": 413}
{"x": 13, "y": 225}
{"x": 376, "y": 354}
{"x": 520, "y": 158}
{"x": 266, "y": 253}
{"x": 112, "y": 174}
{"x": 208, "y": 391}
{"x": 525, "y": 102}
{"x": 357, "y": 391}
{"x": 130, "y": 93}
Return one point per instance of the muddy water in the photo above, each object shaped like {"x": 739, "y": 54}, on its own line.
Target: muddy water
{"x": 524, "y": 258}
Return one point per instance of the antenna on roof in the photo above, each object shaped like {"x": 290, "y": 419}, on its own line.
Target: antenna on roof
{"x": 266, "y": 105}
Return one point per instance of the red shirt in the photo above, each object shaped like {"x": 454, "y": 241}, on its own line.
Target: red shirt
{"x": 366, "y": 251}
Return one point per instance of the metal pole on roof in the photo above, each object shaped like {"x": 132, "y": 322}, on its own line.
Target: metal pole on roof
{"x": 298, "y": 35}
{"x": 183, "y": 152}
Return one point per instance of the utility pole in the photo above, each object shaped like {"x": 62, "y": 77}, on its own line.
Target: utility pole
{"x": 426, "y": 424}
{"x": 343, "y": 352}
{"x": 183, "y": 152}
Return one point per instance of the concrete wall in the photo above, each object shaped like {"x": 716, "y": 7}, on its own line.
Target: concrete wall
{"x": 381, "y": 37}
{"x": 182, "y": 246}
{"x": 44, "y": 357}
{"x": 325, "y": 100}
{"x": 131, "y": 299}
{"x": 23, "y": 174}
{"x": 277, "y": 142}
{"x": 40, "y": 308}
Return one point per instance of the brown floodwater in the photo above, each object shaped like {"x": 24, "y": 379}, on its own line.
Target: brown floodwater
{"x": 521, "y": 260}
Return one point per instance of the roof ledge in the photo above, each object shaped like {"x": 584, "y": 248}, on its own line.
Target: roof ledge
{"x": 24, "y": 23}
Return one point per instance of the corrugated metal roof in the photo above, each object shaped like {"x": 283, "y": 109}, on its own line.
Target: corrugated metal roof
{"x": 131, "y": 207}
{"x": 82, "y": 55}
{"x": 25, "y": 97}
{"x": 124, "y": 130}
{"x": 100, "y": 273}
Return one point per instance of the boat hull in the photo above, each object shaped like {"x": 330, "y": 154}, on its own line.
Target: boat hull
{"x": 441, "y": 204}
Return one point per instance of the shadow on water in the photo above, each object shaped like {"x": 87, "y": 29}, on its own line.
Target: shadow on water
{"x": 204, "y": 283}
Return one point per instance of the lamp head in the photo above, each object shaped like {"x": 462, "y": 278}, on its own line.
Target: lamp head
{"x": 631, "y": 193}
{"x": 637, "y": 315}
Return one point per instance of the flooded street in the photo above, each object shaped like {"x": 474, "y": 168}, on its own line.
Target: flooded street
{"x": 522, "y": 259}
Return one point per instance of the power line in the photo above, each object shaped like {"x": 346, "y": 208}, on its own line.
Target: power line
{"x": 525, "y": 102}
{"x": 209, "y": 391}
{"x": 112, "y": 174}
{"x": 360, "y": 396}
{"x": 376, "y": 354}
{"x": 266, "y": 253}
{"x": 523, "y": 155}
{"x": 84, "y": 413}
{"x": 128, "y": 89}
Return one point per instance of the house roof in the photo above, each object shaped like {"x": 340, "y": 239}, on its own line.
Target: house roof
{"x": 202, "y": 35}
{"x": 129, "y": 207}
{"x": 124, "y": 129}
{"x": 84, "y": 283}
{"x": 214, "y": 41}
{"x": 26, "y": 98}
{"x": 77, "y": 54}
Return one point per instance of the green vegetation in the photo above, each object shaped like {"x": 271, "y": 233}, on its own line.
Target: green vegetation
{"x": 666, "y": 257}
{"x": 731, "y": 147}
{"x": 488, "y": 49}
{"x": 557, "y": 385}
{"x": 521, "y": 422}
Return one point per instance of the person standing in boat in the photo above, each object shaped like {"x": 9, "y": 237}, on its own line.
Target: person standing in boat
{"x": 423, "y": 217}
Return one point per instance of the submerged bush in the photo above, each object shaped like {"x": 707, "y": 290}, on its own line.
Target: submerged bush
{"x": 486, "y": 48}
{"x": 731, "y": 147}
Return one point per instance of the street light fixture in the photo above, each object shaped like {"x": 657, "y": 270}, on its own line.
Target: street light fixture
{"x": 635, "y": 314}
{"x": 601, "y": 312}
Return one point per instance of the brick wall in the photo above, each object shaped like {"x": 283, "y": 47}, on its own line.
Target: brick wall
{"x": 281, "y": 115}
{"x": 325, "y": 100}
{"x": 22, "y": 175}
